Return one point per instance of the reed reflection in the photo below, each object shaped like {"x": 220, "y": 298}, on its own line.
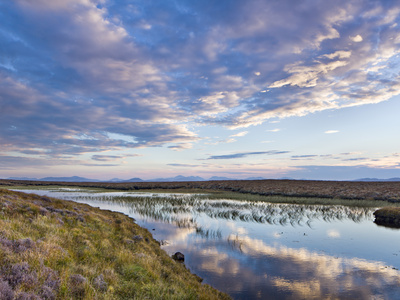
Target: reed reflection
{"x": 183, "y": 210}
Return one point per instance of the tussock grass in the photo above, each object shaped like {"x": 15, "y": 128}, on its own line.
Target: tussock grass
{"x": 55, "y": 249}
{"x": 388, "y": 216}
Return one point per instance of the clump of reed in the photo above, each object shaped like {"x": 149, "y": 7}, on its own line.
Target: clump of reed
{"x": 388, "y": 216}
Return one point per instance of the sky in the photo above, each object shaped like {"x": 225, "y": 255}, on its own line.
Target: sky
{"x": 306, "y": 89}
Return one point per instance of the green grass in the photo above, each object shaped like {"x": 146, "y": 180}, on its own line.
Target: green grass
{"x": 73, "y": 251}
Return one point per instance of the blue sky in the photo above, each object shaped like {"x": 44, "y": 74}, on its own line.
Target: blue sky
{"x": 106, "y": 88}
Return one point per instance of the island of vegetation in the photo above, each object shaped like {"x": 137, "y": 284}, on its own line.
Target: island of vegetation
{"x": 388, "y": 216}
{"x": 57, "y": 249}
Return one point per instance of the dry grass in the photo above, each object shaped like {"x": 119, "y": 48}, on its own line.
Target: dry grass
{"x": 54, "y": 249}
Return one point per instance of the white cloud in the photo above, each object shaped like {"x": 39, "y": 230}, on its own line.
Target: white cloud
{"x": 239, "y": 134}
{"x": 307, "y": 76}
{"x": 358, "y": 38}
{"x": 181, "y": 146}
{"x": 338, "y": 54}
{"x": 331, "y": 131}
{"x": 333, "y": 233}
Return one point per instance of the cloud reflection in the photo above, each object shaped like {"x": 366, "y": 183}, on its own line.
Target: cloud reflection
{"x": 304, "y": 274}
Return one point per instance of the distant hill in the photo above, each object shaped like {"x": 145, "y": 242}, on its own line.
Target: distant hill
{"x": 22, "y": 178}
{"x": 116, "y": 180}
{"x": 136, "y": 179}
{"x": 220, "y": 178}
{"x": 76, "y": 179}
{"x": 69, "y": 179}
{"x": 178, "y": 178}
{"x": 255, "y": 178}
{"x": 377, "y": 179}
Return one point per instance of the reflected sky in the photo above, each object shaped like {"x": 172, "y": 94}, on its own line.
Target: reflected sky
{"x": 276, "y": 251}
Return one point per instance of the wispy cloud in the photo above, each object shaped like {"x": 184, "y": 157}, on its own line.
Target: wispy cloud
{"x": 181, "y": 146}
{"x": 239, "y": 134}
{"x": 112, "y": 157}
{"x": 184, "y": 165}
{"x": 355, "y": 159}
{"x": 304, "y": 157}
{"x": 331, "y": 131}
{"x": 106, "y": 157}
{"x": 224, "y": 141}
{"x": 245, "y": 154}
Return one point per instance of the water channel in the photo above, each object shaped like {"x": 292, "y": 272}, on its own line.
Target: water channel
{"x": 260, "y": 250}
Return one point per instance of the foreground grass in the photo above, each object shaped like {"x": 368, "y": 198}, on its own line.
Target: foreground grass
{"x": 55, "y": 249}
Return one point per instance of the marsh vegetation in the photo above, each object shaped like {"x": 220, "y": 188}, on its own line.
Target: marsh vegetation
{"x": 324, "y": 190}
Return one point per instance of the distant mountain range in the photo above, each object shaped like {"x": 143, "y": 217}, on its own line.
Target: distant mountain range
{"x": 167, "y": 179}
{"x": 378, "y": 179}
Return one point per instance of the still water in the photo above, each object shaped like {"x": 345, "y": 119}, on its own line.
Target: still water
{"x": 259, "y": 250}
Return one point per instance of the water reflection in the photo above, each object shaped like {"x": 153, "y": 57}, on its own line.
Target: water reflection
{"x": 183, "y": 210}
{"x": 255, "y": 250}
{"x": 303, "y": 274}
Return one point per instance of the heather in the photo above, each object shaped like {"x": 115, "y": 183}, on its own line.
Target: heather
{"x": 55, "y": 249}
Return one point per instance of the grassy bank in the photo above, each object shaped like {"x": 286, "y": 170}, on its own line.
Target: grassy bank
{"x": 58, "y": 249}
